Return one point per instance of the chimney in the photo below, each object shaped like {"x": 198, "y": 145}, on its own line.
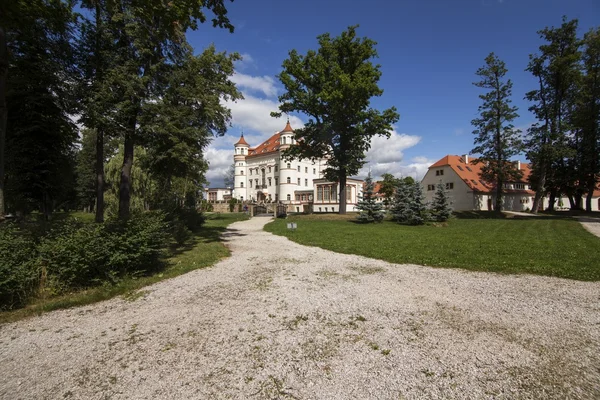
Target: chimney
{"x": 466, "y": 158}
{"x": 518, "y": 165}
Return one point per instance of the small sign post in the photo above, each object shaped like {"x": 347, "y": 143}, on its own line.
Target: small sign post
{"x": 292, "y": 226}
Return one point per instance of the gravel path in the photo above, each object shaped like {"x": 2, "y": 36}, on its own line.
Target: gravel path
{"x": 279, "y": 320}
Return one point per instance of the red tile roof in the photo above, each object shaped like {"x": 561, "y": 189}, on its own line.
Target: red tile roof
{"x": 241, "y": 141}
{"x": 270, "y": 145}
{"x": 470, "y": 174}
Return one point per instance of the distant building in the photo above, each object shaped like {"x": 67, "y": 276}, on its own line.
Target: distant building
{"x": 215, "y": 195}
{"x": 262, "y": 175}
{"x": 461, "y": 177}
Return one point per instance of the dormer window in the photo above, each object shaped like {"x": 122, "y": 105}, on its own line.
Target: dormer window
{"x": 439, "y": 172}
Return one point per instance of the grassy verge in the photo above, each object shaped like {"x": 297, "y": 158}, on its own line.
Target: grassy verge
{"x": 203, "y": 250}
{"x": 551, "y": 246}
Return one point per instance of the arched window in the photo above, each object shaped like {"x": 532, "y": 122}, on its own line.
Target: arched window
{"x": 241, "y": 184}
{"x": 289, "y": 180}
{"x": 289, "y": 165}
{"x": 289, "y": 196}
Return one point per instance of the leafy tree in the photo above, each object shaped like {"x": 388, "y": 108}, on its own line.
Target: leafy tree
{"x": 178, "y": 124}
{"x": 149, "y": 40}
{"x": 333, "y": 86}
{"x": 39, "y": 134}
{"x": 370, "y": 210}
{"x": 409, "y": 205}
{"x": 229, "y": 176}
{"x": 586, "y": 118}
{"x": 442, "y": 206}
{"x": 387, "y": 188}
{"x": 86, "y": 171}
{"x": 557, "y": 70}
{"x": 496, "y": 138}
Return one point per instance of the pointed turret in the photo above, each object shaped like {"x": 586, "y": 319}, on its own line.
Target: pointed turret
{"x": 242, "y": 141}
{"x": 286, "y": 136}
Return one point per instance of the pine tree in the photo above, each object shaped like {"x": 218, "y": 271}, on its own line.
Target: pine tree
{"x": 409, "y": 204}
{"x": 497, "y": 140}
{"x": 370, "y": 210}
{"x": 441, "y": 206}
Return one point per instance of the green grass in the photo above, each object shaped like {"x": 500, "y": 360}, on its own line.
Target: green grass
{"x": 203, "y": 250}
{"x": 551, "y": 246}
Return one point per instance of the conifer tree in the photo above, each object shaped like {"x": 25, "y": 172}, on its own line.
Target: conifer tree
{"x": 442, "y": 206}
{"x": 370, "y": 210}
{"x": 409, "y": 204}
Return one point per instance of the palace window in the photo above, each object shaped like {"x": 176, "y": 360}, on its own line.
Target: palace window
{"x": 319, "y": 194}
{"x": 250, "y": 171}
{"x": 298, "y": 181}
{"x": 276, "y": 181}
{"x": 326, "y": 193}
{"x": 306, "y": 170}
{"x": 298, "y": 168}
{"x": 242, "y": 172}
{"x": 314, "y": 171}
{"x": 289, "y": 197}
{"x": 269, "y": 169}
{"x": 297, "y": 197}
{"x": 306, "y": 182}
{"x": 348, "y": 194}
{"x": 250, "y": 183}
{"x": 289, "y": 180}
{"x": 241, "y": 184}
{"x": 269, "y": 181}
{"x": 450, "y": 185}
{"x": 289, "y": 165}
{"x": 276, "y": 168}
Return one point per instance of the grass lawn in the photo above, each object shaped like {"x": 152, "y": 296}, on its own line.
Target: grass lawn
{"x": 203, "y": 250}
{"x": 551, "y": 246}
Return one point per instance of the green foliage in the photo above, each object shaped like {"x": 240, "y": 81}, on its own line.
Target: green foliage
{"x": 554, "y": 247}
{"x": 333, "y": 86}
{"x": 19, "y": 274}
{"x": 496, "y": 138}
{"x": 557, "y": 71}
{"x": 84, "y": 255}
{"x": 370, "y": 210}
{"x": 409, "y": 206}
{"x": 441, "y": 208}
{"x": 388, "y": 188}
{"x": 232, "y": 203}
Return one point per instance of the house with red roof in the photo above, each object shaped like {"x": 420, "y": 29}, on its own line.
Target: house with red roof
{"x": 262, "y": 175}
{"x": 461, "y": 175}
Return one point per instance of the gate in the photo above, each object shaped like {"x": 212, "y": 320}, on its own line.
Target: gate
{"x": 257, "y": 210}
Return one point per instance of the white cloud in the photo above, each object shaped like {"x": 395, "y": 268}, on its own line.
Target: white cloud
{"x": 384, "y": 150}
{"x": 219, "y": 161}
{"x": 261, "y": 84}
{"x": 254, "y": 114}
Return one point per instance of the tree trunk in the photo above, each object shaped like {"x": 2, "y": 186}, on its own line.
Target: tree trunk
{"x": 125, "y": 185}
{"x": 591, "y": 185}
{"x": 3, "y": 114}
{"x": 342, "y": 196}
{"x": 571, "y": 201}
{"x": 99, "y": 175}
{"x": 552, "y": 200}
{"x": 499, "y": 184}
{"x": 539, "y": 193}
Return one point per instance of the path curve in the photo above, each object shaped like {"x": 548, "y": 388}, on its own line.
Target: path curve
{"x": 279, "y": 320}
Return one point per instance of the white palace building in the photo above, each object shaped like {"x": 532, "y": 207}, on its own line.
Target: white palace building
{"x": 262, "y": 175}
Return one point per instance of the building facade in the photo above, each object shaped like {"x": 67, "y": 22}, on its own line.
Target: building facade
{"x": 461, "y": 177}
{"x": 262, "y": 175}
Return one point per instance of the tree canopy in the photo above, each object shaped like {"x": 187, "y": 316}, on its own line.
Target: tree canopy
{"x": 333, "y": 87}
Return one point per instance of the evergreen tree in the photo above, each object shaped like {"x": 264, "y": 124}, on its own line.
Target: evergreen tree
{"x": 557, "y": 71}
{"x": 409, "y": 204}
{"x": 333, "y": 86}
{"x": 497, "y": 140}
{"x": 370, "y": 210}
{"x": 441, "y": 208}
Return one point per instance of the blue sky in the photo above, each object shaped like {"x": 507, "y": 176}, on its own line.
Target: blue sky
{"x": 428, "y": 50}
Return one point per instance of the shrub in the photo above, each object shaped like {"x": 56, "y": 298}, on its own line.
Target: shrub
{"x": 19, "y": 274}
{"x": 81, "y": 256}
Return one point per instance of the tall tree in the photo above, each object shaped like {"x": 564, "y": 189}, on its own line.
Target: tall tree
{"x": 441, "y": 207}
{"x": 496, "y": 138}
{"x": 586, "y": 118}
{"x": 557, "y": 71}
{"x": 150, "y": 36}
{"x": 3, "y": 112}
{"x": 333, "y": 86}
{"x": 180, "y": 123}
{"x": 39, "y": 133}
